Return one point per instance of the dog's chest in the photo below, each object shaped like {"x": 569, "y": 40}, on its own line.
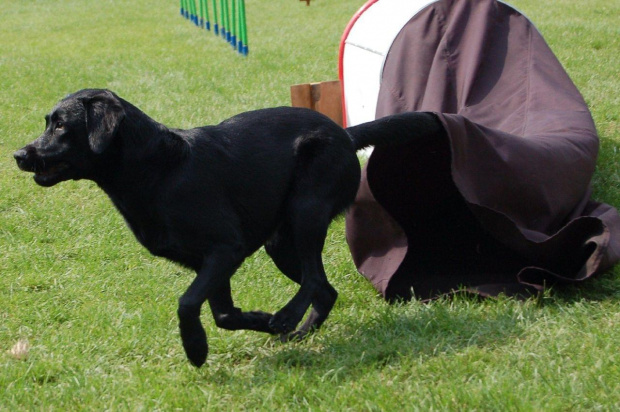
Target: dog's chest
{"x": 145, "y": 226}
{"x": 155, "y": 232}
{"x": 144, "y": 221}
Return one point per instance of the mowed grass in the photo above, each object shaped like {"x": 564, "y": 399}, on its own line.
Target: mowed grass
{"x": 88, "y": 317}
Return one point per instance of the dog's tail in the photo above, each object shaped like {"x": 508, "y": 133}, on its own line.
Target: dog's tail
{"x": 395, "y": 129}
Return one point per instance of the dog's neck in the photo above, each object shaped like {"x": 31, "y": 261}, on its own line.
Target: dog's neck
{"x": 143, "y": 153}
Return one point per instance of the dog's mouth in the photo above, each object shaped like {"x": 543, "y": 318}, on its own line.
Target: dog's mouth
{"x": 49, "y": 173}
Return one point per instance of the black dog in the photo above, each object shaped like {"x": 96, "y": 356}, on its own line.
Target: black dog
{"x": 211, "y": 196}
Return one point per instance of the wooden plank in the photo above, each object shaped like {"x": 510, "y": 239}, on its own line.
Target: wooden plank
{"x": 301, "y": 96}
{"x": 324, "y": 97}
{"x": 327, "y": 100}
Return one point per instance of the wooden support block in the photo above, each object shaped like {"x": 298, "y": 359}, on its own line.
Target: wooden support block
{"x": 324, "y": 97}
{"x": 301, "y": 96}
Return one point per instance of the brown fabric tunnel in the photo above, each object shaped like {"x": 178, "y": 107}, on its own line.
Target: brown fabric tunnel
{"x": 501, "y": 202}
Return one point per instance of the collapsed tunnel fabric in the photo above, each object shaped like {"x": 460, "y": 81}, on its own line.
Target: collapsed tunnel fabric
{"x": 501, "y": 202}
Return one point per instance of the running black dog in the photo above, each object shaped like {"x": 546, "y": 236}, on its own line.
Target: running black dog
{"x": 211, "y": 196}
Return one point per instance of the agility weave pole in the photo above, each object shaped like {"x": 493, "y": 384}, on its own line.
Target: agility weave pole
{"x": 228, "y": 20}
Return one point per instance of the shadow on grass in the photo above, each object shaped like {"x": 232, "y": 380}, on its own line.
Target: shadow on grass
{"x": 406, "y": 337}
{"x": 413, "y": 332}
{"x": 604, "y": 287}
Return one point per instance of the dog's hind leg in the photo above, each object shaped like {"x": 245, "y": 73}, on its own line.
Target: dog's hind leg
{"x": 281, "y": 249}
{"x": 227, "y": 316}
{"x": 309, "y": 222}
{"x": 326, "y": 179}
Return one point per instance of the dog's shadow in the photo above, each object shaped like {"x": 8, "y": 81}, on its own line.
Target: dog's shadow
{"x": 409, "y": 330}
{"x": 412, "y": 333}
{"x": 420, "y": 332}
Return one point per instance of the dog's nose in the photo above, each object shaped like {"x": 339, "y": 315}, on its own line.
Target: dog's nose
{"x": 20, "y": 155}
{"x": 24, "y": 157}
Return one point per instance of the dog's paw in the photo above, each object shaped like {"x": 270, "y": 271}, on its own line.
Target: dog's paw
{"x": 196, "y": 353}
{"x": 195, "y": 345}
{"x": 281, "y": 323}
{"x": 259, "y": 321}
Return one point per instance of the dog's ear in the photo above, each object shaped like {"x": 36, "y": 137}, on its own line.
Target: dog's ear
{"x": 104, "y": 113}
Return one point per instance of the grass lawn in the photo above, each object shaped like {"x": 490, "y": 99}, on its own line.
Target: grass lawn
{"x": 97, "y": 313}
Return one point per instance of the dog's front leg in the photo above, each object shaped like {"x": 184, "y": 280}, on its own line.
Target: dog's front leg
{"x": 217, "y": 268}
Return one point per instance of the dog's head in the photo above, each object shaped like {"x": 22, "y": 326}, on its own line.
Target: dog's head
{"x": 78, "y": 130}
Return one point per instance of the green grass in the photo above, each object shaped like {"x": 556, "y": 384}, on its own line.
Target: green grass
{"x": 99, "y": 312}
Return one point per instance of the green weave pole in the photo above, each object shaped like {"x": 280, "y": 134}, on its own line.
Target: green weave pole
{"x": 216, "y": 27}
{"x": 192, "y": 12}
{"x": 206, "y": 9}
{"x": 229, "y": 19}
{"x": 225, "y": 21}
{"x": 201, "y": 13}
{"x": 184, "y": 9}
{"x": 233, "y": 24}
{"x": 243, "y": 44}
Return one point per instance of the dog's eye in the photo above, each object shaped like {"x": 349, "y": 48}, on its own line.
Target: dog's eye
{"x": 59, "y": 125}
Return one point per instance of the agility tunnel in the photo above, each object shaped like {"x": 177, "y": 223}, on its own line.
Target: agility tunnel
{"x": 500, "y": 203}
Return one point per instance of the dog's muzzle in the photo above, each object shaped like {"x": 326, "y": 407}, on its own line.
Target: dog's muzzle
{"x": 47, "y": 172}
{"x": 25, "y": 158}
